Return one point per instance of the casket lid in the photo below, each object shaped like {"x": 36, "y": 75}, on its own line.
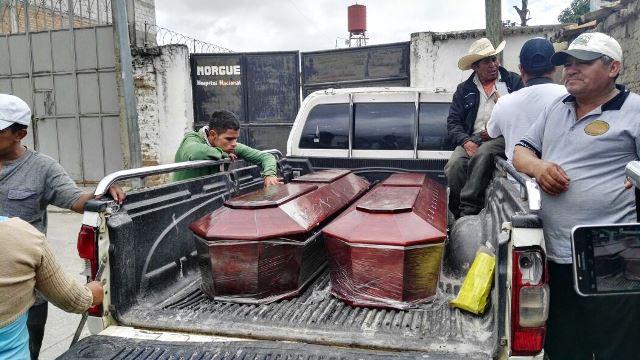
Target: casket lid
{"x": 324, "y": 176}
{"x": 272, "y": 196}
{"x": 389, "y": 200}
{"x": 405, "y": 179}
{"x": 395, "y": 215}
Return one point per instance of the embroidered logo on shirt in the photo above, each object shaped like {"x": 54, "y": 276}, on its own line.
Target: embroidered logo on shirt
{"x": 596, "y": 128}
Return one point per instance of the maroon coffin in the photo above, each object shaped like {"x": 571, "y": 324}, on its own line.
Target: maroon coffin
{"x": 386, "y": 249}
{"x": 266, "y": 245}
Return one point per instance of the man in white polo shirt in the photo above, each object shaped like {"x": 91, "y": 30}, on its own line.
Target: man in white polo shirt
{"x": 577, "y": 151}
{"x": 514, "y": 113}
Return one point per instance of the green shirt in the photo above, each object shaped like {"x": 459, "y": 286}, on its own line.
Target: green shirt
{"x": 195, "y": 147}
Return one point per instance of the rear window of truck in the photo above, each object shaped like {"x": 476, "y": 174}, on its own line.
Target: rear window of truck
{"x": 432, "y": 127}
{"x": 377, "y": 126}
{"x": 327, "y": 127}
{"x": 383, "y": 126}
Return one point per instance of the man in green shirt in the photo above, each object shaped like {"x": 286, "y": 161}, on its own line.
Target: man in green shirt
{"x": 218, "y": 141}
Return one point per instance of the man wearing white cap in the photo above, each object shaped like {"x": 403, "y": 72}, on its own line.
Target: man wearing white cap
{"x": 29, "y": 182}
{"x": 470, "y": 167}
{"x": 577, "y": 150}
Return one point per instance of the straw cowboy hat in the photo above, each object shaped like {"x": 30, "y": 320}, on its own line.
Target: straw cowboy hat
{"x": 480, "y": 49}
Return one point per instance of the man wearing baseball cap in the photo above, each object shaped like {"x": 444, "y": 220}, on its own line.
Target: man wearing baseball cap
{"x": 577, "y": 151}
{"x": 29, "y": 182}
{"x": 514, "y": 113}
{"x": 470, "y": 167}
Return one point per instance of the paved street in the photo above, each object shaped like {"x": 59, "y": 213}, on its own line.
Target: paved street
{"x": 62, "y": 234}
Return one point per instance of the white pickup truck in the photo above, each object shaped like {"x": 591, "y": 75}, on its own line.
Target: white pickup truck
{"x": 154, "y": 308}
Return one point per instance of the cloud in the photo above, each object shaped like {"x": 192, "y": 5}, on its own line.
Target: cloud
{"x": 307, "y": 25}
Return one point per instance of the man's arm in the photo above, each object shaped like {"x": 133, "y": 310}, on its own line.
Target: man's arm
{"x": 62, "y": 289}
{"x": 551, "y": 177}
{"x": 456, "y": 118}
{"x": 265, "y": 160}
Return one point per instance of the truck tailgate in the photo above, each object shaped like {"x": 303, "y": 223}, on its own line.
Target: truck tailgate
{"x": 103, "y": 347}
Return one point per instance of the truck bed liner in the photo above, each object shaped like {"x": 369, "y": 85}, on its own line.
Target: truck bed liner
{"x": 317, "y": 317}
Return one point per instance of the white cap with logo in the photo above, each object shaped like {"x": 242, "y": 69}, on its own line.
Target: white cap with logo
{"x": 13, "y": 110}
{"x": 589, "y": 46}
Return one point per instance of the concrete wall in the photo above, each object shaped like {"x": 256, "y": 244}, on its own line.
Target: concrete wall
{"x": 624, "y": 26}
{"x": 165, "y": 105}
{"x": 434, "y": 56}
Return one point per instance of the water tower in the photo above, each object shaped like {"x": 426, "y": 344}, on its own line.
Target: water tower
{"x": 357, "y": 15}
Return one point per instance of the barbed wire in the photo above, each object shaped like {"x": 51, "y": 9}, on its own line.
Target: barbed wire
{"x": 53, "y": 14}
{"x": 158, "y": 35}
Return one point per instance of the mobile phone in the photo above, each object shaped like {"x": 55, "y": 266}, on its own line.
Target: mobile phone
{"x": 606, "y": 259}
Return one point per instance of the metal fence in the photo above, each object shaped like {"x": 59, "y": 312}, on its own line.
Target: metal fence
{"x": 18, "y": 16}
{"x": 155, "y": 35}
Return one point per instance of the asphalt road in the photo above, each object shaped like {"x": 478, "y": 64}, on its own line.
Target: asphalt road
{"x": 61, "y": 326}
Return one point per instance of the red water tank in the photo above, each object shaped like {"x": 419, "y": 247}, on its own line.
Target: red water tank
{"x": 357, "y": 19}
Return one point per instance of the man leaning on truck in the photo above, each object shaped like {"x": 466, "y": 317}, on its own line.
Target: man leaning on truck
{"x": 218, "y": 141}
{"x": 29, "y": 182}
{"x": 577, "y": 151}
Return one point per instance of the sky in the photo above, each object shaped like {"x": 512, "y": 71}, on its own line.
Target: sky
{"x": 307, "y": 25}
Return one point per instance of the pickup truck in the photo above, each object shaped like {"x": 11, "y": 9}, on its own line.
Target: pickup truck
{"x": 154, "y": 308}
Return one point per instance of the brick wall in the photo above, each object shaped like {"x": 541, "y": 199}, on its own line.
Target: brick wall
{"x": 145, "y": 12}
{"x": 624, "y": 26}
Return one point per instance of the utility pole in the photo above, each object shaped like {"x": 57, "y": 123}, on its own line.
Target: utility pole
{"x": 129, "y": 131}
{"x": 493, "y": 14}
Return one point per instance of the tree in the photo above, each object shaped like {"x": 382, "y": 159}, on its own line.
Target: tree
{"x": 523, "y": 13}
{"x": 572, "y": 13}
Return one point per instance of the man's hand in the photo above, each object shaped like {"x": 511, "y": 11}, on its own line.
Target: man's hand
{"x": 117, "y": 193}
{"x": 627, "y": 183}
{"x": 471, "y": 148}
{"x": 484, "y": 135}
{"x": 272, "y": 180}
{"x": 96, "y": 291}
{"x": 552, "y": 178}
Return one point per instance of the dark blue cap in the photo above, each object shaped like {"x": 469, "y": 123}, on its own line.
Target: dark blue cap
{"x": 535, "y": 55}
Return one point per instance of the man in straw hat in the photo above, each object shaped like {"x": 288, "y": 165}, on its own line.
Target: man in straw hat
{"x": 577, "y": 150}
{"x": 470, "y": 167}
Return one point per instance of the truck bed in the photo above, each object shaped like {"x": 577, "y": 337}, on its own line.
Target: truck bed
{"x": 155, "y": 283}
{"x": 317, "y": 317}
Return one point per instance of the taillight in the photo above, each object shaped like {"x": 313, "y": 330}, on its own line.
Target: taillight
{"x": 88, "y": 251}
{"x": 530, "y": 301}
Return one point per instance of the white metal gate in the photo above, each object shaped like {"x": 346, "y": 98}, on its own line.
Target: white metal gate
{"x": 67, "y": 75}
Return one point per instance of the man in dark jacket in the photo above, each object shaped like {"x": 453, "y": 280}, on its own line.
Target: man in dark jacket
{"x": 471, "y": 165}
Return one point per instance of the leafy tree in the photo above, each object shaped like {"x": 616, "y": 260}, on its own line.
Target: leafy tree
{"x": 572, "y": 13}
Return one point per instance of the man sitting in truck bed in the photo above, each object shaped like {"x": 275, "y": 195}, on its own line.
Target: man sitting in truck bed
{"x": 218, "y": 141}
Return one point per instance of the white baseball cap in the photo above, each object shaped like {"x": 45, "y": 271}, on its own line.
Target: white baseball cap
{"x": 589, "y": 46}
{"x": 13, "y": 110}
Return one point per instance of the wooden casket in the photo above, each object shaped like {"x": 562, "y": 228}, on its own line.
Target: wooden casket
{"x": 266, "y": 245}
{"x": 386, "y": 249}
